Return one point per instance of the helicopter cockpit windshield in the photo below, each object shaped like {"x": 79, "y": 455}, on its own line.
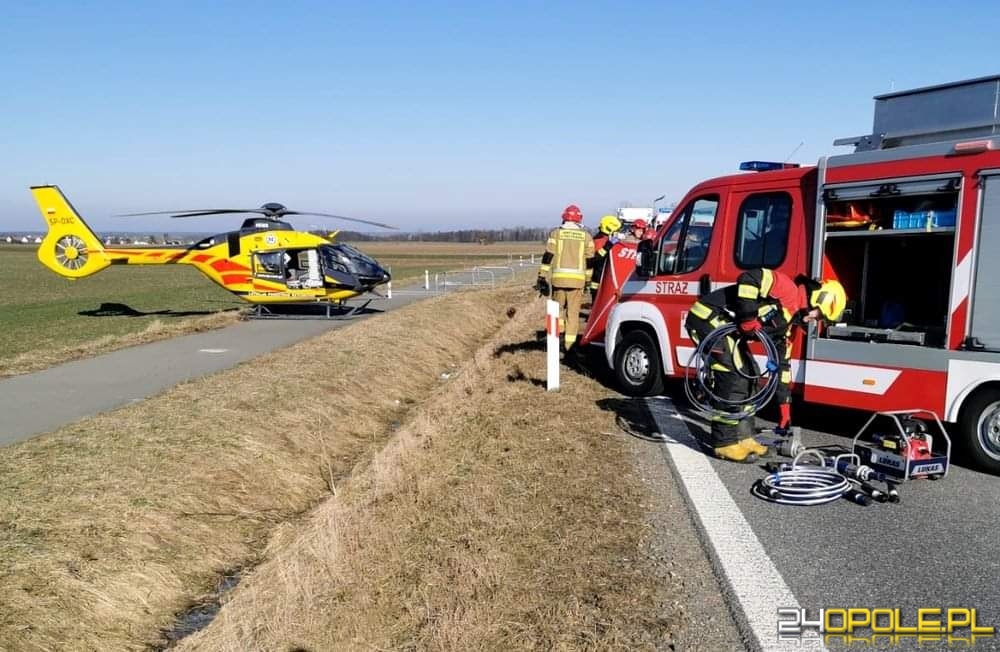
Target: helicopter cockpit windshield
{"x": 344, "y": 262}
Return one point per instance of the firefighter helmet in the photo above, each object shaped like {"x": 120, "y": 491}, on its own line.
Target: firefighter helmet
{"x": 572, "y": 214}
{"x": 639, "y": 224}
{"x": 610, "y": 224}
{"x": 830, "y": 298}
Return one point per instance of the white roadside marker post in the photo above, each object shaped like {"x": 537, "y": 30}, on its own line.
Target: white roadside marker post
{"x": 388, "y": 294}
{"x": 552, "y": 345}
{"x": 427, "y": 280}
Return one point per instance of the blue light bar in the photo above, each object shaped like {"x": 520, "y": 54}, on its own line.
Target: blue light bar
{"x": 765, "y": 166}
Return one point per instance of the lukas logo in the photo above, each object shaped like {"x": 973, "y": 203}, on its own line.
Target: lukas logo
{"x": 887, "y": 460}
{"x": 936, "y": 467}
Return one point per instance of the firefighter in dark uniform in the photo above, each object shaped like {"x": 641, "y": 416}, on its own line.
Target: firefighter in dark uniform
{"x": 761, "y": 300}
{"x": 604, "y": 241}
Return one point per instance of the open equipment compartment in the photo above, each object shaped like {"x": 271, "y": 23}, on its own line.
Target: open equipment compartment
{"x": 891, "y": 244}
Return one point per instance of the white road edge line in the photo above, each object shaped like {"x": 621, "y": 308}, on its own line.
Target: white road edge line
{"x": 756, "y": 587}
{"x": 212, "y": 350}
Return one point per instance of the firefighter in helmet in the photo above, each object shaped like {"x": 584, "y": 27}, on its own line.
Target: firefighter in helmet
{"x": 761, "y": 300}
{"x": 604, "y": 241}
{"x": 636, "y": 231}
{"x": 566, "y": 269}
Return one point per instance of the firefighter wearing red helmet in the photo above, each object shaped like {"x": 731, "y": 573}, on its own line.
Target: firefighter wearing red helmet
{"x": 637, "y": 230}
{"x": 761, "y": 300}
{"x": 567, "y": 266}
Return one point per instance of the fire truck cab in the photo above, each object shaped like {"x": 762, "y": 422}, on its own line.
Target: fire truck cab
{"x": 909, "y": 223}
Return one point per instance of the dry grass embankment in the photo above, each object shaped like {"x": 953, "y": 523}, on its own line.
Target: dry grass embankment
{"x": 499, "y": 517}
{"x": 110, "y": 526}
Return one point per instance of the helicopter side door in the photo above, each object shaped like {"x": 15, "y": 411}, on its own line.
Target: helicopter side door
{"x": 297, "y": 271}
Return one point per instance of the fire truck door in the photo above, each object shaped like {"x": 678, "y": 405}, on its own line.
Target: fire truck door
{"x": 684, "y": 257}
{"x": 985, "y": 321}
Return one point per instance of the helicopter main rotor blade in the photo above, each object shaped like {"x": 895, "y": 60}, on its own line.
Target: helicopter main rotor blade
{"x": 342, "y": 217}
{"x": 195, "y": 212}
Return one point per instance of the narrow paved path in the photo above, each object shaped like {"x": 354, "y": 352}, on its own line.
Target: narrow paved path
{"x": 43, "y": 401}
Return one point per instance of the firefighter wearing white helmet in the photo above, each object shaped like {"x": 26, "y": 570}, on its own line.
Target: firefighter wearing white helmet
{"x": 604, "y": 241}
{"x": 761, "y": 300}
{"x": 566, "y": 269}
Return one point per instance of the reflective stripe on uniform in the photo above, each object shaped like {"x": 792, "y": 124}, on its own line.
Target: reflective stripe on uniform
{"x": 719, "y": 367}
{"x": 564, "y": 272}
{"x": 766, "y": 281}
{"x": 786, "y": 377}
{"x": 764, "y": 309}
{"x": 748, "y": 291}
{"x": 700, "y": 310}
{"x": 544, "y": 268}
{"x": 715, "y": 322}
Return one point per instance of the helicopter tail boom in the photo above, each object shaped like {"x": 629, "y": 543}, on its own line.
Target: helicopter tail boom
{"x": 70, "y": 248}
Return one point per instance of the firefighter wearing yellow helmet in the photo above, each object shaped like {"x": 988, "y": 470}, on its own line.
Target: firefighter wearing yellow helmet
{"x": 761, "y": 300}
{"x": 566, "y": 270}
{"x": 604, "y": 241}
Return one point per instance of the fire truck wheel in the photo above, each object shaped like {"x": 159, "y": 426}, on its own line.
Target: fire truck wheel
{"x": 980, "y": 429}
{"x": 637, "y": 365}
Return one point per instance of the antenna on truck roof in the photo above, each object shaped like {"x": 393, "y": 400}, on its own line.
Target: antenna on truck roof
{"x": 792, "y": 153}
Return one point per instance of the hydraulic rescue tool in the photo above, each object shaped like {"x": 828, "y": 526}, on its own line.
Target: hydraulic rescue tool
{"x": 900, "y": 446}
{"x": 892, "y": 447}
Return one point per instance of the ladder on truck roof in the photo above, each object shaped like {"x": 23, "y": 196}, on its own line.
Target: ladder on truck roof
{"x": 933, "y": 114}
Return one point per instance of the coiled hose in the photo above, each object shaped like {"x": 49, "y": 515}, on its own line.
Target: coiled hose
{"x": 698, "y": 385}
{"x": 803, "y": 484}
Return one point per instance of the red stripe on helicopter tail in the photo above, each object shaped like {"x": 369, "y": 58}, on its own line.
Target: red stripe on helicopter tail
{"x": 202, "y": 258}
{"x": 154, "y": 254}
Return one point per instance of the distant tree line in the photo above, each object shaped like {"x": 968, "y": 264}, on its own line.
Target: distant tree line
{"x": 484, "y": 236}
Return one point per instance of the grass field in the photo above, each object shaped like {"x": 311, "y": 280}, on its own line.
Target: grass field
{"x": 409, "y": 259}
{"x": 46, "y": 319}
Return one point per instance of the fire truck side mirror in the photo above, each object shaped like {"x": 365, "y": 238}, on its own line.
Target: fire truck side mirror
{"x": 645, "y": 259}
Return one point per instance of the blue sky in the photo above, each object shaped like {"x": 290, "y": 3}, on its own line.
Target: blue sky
{"x": 443, "y": 115}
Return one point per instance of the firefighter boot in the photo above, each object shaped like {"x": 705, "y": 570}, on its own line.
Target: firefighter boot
{"x": 754, "y": 446}
{"x": 735, "y": 452}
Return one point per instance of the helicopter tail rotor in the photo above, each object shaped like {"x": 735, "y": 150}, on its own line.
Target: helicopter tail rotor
{"x": 70, "y": 248}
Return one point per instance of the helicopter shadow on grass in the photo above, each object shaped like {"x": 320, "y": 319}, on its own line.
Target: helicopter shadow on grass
{"x": 124, "y": 310}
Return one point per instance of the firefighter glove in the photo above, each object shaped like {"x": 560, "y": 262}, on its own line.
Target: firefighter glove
{"x": 750, "y": 326}
{"x": 542, "y": 286}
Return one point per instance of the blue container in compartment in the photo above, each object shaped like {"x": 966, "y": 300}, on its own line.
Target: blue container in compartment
{"x": 923, "y": 219}
{"x": 944, "y": 218}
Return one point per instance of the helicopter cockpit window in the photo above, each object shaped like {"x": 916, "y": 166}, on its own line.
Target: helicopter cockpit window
{"x": 268, "y": 264}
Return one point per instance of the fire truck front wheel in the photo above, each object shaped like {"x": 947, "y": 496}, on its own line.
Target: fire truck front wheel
{"x": 980, "y": 429}
{"x": 637, "y": 364}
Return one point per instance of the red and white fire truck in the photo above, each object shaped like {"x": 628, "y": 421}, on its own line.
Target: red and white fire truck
{"x": 909, "y": 223}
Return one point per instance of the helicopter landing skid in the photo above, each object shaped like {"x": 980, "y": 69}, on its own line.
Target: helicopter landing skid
{"x": 332, "y": 311}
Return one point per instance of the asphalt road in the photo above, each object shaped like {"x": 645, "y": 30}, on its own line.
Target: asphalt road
{"x": 40, "y": 402}
{"x": 937, "y": 548}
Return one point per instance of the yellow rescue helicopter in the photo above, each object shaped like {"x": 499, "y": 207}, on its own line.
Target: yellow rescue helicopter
{"x": 265, "y": 261}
